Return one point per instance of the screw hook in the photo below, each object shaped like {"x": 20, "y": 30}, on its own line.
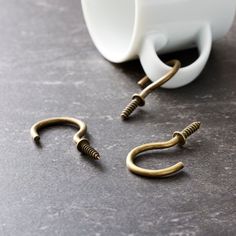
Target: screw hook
{"x": 178, "y": 138}
{"x": 144, "y": 81}
{"x": 82, "y": 144}
{"x": 139, "y": 99}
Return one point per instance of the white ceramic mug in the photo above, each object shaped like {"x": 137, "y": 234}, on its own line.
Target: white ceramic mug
{"x": 127, "y": 29}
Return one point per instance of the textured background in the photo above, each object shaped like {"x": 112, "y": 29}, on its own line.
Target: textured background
{"x": 49, "y": 67}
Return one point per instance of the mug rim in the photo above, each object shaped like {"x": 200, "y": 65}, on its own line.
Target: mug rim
{"x": 118, "y": 55}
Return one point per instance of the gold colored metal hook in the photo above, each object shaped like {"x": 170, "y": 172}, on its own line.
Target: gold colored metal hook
{"x": 139, "y": 99}
{"x": 144, "y": 81}
{"x": 82, "y": 143}
{"x": 178, "y": 138}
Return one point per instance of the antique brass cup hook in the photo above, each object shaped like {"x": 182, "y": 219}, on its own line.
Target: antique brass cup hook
{"x": 178, "y": 138}
{"x": 82, "y": 143}
{"x": 139, "y": 99}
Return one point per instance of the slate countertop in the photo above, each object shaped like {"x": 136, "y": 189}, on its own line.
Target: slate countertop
{"x": 49, "y": 67}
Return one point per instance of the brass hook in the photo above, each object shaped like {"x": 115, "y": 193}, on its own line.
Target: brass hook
{"x": 144, "y": 81}
{"x": 82, "y": 143}
{"x": 178, "y": 138}
{"x": 139, "y": 99}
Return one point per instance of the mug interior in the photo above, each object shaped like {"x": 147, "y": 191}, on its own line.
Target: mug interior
{"x": 111, "y": 26}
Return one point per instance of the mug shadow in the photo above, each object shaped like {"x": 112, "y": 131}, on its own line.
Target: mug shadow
{"x": 211, "y": 78}
{"x": 134, "y": 68}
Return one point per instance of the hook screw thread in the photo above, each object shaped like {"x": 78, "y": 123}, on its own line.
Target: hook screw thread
{"x": 185, "y": 133}
{"x": 136, "y": 101}
{"x": 85, "y": 148}
{"x": 139, "y": 99}
{"x": 189, "y": 130}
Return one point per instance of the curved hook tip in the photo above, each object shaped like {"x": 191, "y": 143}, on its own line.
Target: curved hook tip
{"x": 180, "y": 165}
{"x": 36, "y": 138}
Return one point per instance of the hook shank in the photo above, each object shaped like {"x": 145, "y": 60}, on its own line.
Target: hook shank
{"x": 139, "y": 99}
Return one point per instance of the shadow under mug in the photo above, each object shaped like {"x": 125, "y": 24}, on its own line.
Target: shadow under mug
{"x": 123, "y": 30}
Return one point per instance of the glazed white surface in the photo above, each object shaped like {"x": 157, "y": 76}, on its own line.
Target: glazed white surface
{"x": 124, "y": 30}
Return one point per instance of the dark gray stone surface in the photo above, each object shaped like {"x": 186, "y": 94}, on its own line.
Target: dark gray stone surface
{"x": 49, "y": 67}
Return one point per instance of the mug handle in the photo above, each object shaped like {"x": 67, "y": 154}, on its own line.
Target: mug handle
{"x": 155, "y": 68}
